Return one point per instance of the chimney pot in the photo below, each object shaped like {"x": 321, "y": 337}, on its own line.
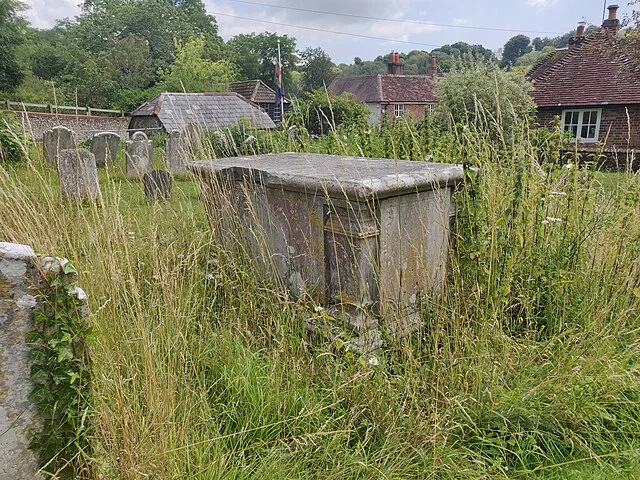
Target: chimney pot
{"x": 580, "y": 31}
{"x": 613, "y": 12}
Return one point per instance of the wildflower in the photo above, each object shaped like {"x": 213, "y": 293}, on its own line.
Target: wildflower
{"x": 131, "y": 235}
{"x": 318, "y": 309}
{"x": 554, "y": 220}
{"x": 545, "y": 222}
{"x": 567, "y": 166}
{"x": 373, "y": 361}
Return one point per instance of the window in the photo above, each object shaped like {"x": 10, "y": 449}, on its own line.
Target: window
{"x": 430, "y": 108}
{"x": 582, "y": 124}
{"x": 398, "y": 110}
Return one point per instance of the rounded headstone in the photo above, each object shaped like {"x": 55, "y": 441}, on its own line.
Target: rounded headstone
{"x": 105, "y": 147}
{"x": 139, "y": 155}
{"x": 78, "y": 175}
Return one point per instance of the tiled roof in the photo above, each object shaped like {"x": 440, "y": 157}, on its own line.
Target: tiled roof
{"x": 597, "y": 71}
{"x": 210, "y": 110}
{"x": 255, "y": 90}
{"x": 388, "y": 88}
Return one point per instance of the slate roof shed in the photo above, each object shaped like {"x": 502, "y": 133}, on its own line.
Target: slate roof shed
{"x": 210, "y": 111}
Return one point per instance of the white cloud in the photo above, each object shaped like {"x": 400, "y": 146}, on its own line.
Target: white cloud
{"x": 44, "y": 13}
{"x": 541, "y": 3}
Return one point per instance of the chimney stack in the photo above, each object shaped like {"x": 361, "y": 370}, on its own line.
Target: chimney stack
{"x": 434, "y": 65}
{"x": 580, "y": 30}
{"x": 395, "y": 67}
{"x": 612, "y": 24}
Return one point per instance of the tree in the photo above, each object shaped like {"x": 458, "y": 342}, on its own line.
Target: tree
{"x": 321, "y": 113}
{"x": 11, "y": 34}
{"x": 514, "y": 49}
{"x": 489, "y": 98}
{"x": 317, "y": 69}
{"x": 255, "y": 56}
{"x": 192, "y": 72}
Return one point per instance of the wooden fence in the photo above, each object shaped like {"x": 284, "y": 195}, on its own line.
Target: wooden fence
{"x": 61, "y": 109}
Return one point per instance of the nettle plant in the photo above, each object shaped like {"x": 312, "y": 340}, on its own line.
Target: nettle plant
{"x": 60, "y": 372}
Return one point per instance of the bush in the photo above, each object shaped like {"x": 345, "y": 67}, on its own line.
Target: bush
{"x": 487, "y": 97}
{"x": 320, "y": 113}
{"x": 12, "y": 139}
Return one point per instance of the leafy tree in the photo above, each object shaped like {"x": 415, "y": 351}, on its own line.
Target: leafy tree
{"x": 321, "y": 113}
{"x": 105, "y": 22}
{"x": 491, "y": 99}
{"x": 192, "y": 72}
{"x": 533, "y": 57}
{"x": 514, "y": 49}
{"x": 11, "y": 33}
{"x": 450, "y": 57}
{"x": 255, "y": 56}
{"x": 131, "y": 63}
{"x": 317, "y": 69}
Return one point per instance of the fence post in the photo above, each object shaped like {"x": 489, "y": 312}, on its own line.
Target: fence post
{"x": 88, "y": 110}
{"x": 8, "y": 105}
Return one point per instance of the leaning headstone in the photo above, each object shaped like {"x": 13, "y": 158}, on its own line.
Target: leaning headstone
{"x": 78, "y": 175}
{"x": 105, "y": 147}
{"x": 56, "y": 140}
{"x": 177, "y": 152}
{"x": 158, "y": 184}
{"x": 139, "y": 155}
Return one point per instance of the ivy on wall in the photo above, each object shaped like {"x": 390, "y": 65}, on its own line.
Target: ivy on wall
{"x": 60, "y": 372}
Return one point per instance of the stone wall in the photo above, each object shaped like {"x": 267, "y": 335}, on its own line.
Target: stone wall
{"x": 21, "y": 282}
{"x": 84, "y": 126}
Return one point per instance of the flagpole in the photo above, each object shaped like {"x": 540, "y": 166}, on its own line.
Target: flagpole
{"x": 281, "y": 81}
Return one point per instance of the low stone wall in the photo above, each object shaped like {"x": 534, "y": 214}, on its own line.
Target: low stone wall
{"x": 84, "y": 126}
{"x": 21, "y": 284}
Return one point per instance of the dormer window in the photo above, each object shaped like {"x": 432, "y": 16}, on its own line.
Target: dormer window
{"x": 582, "y": 124}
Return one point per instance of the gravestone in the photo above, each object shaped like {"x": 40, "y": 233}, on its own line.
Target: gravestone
{"x": 56, "y": 140}
{"x": 158, "y": 184}
{"x": 78, "y": 175}
{"x": 366, "y": 238}
{"x": 105, "y": 147}
{"x": 177, "y": 152}
{"x": 139, "y": 155}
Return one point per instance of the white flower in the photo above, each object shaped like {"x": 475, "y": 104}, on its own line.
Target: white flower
{"x": 318, "y": 309}
{"x": 554, "y": 220}
{"x": 545, "y": 222}
{"x": 567, "y": 166}
{"x": 373, "y": 361}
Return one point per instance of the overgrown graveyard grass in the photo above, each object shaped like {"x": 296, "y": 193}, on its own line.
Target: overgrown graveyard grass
{"x": 527, "y": 367}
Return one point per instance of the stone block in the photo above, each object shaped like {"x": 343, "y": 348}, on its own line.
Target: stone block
{"x": 78, "y": 175}
{"x": 105, "y": 147}
{"x": 158, "y": 184}
{"x": 139, "y": 155}
{"x": 367, "y": 238}
{"x": 177, "y": 152}
{"x": 55, "y": 140}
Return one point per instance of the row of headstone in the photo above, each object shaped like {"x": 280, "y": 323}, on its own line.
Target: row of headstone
{"x": 139, "y": 150}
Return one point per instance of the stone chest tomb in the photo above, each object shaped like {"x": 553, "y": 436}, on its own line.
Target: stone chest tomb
{"x": 366, "y": 238}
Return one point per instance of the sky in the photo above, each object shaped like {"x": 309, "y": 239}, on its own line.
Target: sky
{"x": 426, "y": 24}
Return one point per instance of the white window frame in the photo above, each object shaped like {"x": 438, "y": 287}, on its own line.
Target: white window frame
{"x": 398, "y": 110}
{"x": 430, "y": 108}
{"x": 581, "y": 112}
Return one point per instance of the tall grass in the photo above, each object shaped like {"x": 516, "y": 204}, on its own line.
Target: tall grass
{"x": 527, "y": 366}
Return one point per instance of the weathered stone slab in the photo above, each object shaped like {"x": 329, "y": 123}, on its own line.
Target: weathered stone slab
{"x": 17, "y": 413}
{"x": 78, "y": 175}
{"x": 56, "y": 140}
{"x": 177, "y": 152}
{"x": 158, "y": 184}
{"x": 105, "y": 147}
{"x": 364, "y": 237}
{"x": 139, "y": 155}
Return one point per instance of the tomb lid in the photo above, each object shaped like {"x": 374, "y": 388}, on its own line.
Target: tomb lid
{"x": 356, "y": 178}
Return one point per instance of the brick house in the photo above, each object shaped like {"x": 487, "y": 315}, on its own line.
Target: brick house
{"x": 593, "y": 88}
{"x": 260, "y": 93}
{"x": 393, "y": 94}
